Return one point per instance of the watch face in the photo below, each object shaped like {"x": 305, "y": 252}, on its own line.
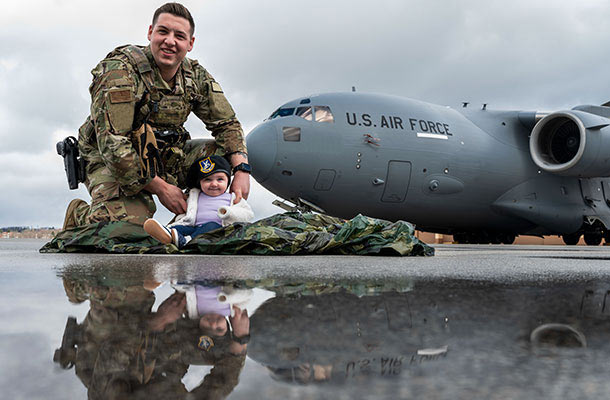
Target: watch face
{"x": 243, "y": 167}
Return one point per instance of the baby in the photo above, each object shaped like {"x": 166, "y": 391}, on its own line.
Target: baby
{"x": 208, "y": 205}
{"x": 213, "y": 305}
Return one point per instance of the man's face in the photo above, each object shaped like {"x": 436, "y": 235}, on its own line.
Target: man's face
{"x": 170, "y": 40}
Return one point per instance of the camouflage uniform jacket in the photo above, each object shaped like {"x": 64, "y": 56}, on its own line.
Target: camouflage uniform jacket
{"x": 127, "y": 91}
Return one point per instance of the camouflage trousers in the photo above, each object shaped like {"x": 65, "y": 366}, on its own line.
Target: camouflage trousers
{"x": 108, "y": 203}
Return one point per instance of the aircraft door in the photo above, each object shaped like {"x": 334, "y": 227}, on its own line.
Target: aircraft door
{"x": 591, "y": 190}
{"x": 325, "y": 179}
{"x": 397, "y": 181}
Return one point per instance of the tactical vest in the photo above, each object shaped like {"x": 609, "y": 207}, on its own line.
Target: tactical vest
{"x": 168, "y": 112}
{"x": 163, "y": 114}
{"x": 158, "y": 132}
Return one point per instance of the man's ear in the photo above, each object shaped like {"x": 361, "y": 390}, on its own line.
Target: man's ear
{"x": 191, "y": 43}
{"x": 150, "y": 29}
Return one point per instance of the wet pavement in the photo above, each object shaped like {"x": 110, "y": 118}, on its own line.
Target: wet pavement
{"x": 493, "y": 322}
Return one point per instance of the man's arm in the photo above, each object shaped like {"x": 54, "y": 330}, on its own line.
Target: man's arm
{"x": 219, "y": 118}
{"x": 113, "y": 102}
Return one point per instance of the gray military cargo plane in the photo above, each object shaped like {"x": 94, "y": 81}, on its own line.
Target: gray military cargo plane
{"x": 482, "y": 175}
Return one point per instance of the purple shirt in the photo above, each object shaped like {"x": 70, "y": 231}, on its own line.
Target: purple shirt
{"x": 207, "y": 207}
{"x": 207, "y": 301}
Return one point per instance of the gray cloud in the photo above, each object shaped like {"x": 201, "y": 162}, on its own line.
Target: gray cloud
{"x": 536, "y": 55}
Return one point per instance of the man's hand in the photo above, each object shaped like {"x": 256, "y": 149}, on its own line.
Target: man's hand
{"x": 173, "y": 307}
{"x": 241, "y": 180}
{"x": 168, "y": 312}
{"x": 169, "y": 195}
{"x": 240, "y": 322}
{"x": 240, "y": 186}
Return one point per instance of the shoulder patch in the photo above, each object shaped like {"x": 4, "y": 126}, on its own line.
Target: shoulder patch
{"x": 216, "y": 87}
{"x": 120, "y": 96}
{"x": 116, "y": 77}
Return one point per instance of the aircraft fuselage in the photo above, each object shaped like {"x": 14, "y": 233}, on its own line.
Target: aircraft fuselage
{"x": 443, "y": 169}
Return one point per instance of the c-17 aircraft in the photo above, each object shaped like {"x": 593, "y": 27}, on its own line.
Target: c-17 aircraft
{"x": 482, "y": 175}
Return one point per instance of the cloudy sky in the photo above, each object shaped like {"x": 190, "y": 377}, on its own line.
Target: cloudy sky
{"x": 527, "y": 55}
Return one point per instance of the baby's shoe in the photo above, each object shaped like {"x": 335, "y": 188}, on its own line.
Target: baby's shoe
{"x": 155, "y": 229}
{"x": 178, "y": 239}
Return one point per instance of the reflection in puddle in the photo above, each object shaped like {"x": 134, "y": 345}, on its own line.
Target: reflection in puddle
{"x": 413, "y": 337}
{"x": 123, "y": 348}
{"x": 559, "y": 335}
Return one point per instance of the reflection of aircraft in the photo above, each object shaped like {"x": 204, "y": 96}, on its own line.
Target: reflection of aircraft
{"x": 482, "y": 175}
{"x": 433, "y": 337}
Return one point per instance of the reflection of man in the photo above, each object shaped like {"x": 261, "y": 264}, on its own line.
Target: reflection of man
{"x": 134, "y": 142}
{"x": 123, "y": 350}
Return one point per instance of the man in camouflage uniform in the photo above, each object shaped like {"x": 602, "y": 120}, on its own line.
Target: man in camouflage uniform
{"x": 123, "y": 350}
{"x": 134, "y": 142}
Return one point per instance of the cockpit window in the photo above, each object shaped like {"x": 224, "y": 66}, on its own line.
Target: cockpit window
{"x": 282, "y": 112}
{"x": 304, "y": 112}
{"x": 323, "y": 114}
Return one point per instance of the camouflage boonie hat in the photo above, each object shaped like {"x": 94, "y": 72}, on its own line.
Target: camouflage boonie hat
{"x": 207, "y": 166}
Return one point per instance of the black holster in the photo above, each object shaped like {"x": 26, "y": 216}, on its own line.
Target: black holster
{"x": 65, "y": 356}
{"x": 73, "y": 164}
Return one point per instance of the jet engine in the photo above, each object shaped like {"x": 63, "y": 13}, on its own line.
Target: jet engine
{"x": 572, "y": 143}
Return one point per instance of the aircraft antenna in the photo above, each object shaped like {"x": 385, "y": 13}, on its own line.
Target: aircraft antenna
{"x": 465, "y": 104}
{"x": 484, "y": 106}
{"x": 353, "y": 88}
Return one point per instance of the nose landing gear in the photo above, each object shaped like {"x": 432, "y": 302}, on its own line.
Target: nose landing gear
{"x": 593, "y": 238}
{"x": 592, "y": 234}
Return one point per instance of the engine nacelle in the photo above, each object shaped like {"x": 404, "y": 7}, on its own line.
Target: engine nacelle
{"x": 572, "y": 143}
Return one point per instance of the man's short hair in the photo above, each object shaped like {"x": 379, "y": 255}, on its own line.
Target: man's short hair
{"x": 176, "y": 9}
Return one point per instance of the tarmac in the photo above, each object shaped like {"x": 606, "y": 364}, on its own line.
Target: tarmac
{"x": 473, "y": 262}
{"x": 474, "y": 321}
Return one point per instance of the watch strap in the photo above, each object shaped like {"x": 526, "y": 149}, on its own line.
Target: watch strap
{"x": 245, "y": 167}
{"x": 242, "y": 340}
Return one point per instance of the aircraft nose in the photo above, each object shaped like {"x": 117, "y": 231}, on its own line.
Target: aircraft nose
{"x": 262, "y": 149}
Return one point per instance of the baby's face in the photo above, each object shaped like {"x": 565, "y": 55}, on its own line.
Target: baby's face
{"x": 213, "y": 324}
{"x": 215, "y": 184}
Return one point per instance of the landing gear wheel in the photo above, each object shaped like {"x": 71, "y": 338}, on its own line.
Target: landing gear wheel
{"x": 481, "y": 237}
{"x": 459, "y": 238}
{"x": 571, "y": 239}
{"x": 507, "y": 238}
{"x": 593, "y": 238}
{"x": 495, "y": 238}
{"x": 471, "y": 238}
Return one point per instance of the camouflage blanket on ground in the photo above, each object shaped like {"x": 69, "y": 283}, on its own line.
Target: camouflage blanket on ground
{"x": 282, "y": 234}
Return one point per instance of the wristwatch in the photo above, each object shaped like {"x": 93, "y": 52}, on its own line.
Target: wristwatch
{"x": 241, "y": 340}
{"x": 242, "y": 167}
